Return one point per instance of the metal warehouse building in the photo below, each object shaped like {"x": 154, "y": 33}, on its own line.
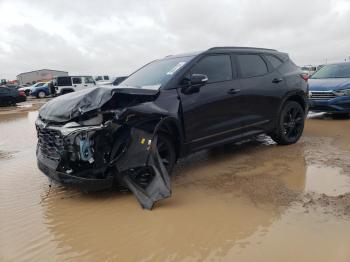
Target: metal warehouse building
{"x": 39, "y": 75}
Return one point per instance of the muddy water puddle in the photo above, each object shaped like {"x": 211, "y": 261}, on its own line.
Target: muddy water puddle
{"x": 252, "y": 201}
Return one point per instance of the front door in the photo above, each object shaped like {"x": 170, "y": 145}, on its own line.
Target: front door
{"x": 212, "y": 114}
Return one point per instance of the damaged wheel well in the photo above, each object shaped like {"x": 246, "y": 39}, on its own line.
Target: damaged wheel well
{"x": 170, "y": 128}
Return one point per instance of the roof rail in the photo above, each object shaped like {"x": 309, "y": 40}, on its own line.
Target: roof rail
{"x": 239, "y": 47}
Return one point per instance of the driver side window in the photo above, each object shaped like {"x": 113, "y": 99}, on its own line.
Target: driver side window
{"x": 216, "y": 67}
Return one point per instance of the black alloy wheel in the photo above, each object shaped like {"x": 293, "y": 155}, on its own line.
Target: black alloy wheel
{"x": 290, "y": 125}
{"x": 293, "y": 122}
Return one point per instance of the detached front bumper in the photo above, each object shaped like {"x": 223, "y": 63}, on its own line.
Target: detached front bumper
{"x": 77, "y": 180}
{"x": 335, "y": 105}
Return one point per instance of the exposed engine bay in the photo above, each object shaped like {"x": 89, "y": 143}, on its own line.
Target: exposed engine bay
{"x": 96, "y": 138}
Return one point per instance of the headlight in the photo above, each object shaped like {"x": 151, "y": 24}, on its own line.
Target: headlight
{"x": 342, "y": 92}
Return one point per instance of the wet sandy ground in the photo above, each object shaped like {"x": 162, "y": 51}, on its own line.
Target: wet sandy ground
{"x": 253, "y": 201}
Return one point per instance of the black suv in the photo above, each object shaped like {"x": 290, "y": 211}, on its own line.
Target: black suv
{"x": 133, "y": 134}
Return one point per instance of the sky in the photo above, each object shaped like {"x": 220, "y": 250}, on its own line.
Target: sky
{"x": 116, "y": 37}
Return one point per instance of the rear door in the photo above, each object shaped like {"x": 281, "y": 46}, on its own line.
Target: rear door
{"x": 77, "y": 83}
{"x": 261, "y": 90}
{"x": 211, "y": 114}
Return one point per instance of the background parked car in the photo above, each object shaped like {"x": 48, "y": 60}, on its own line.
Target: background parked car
{"x": 309, "y": 70}
{"x": 41, "y": 91}
{"x": 67, "y": 84}
{"x": 118, "y": 80}
{"x": 29, "y": 88}
{"x": 330, "y": 89}
{"x": 11, "y": 96}
{"x": 103, "y": 80}
{"x": 115, "y": 82}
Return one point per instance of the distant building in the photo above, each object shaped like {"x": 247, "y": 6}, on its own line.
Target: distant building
{"x": 39, "y": 75}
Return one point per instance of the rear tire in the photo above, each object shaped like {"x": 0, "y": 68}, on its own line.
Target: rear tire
{"x": 290, "y": 125}
{"x": 41, "y": 94}
{"x": 11, "y": 101}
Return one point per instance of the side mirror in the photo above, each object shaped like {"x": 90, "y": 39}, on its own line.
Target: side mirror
{"x": 194, "y": 83}
{"x": 198, "y": 79}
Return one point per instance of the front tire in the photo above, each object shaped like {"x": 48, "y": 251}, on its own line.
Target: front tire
{"x": 290, "y": 125}
{"x": 166, "y": 150}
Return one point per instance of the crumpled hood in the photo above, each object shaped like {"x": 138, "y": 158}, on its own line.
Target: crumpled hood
{"x": 69, "y": 106}
{"x": 328, "y": 84}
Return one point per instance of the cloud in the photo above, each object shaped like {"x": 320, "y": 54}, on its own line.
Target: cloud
{"x": 117, "y": 37}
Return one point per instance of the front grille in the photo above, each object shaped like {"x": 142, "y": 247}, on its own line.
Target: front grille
{"x": 50, "y": 143}
{"x": 326, "y": 95}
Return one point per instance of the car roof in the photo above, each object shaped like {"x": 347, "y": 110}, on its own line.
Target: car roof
{"x": 340, "y": 63}
{"x": 228, "y": 49}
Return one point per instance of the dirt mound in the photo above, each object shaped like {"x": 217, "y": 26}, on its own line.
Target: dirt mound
{"x": 337, "y": 205}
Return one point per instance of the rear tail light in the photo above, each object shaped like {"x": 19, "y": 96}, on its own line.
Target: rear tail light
{"x": 21, "y": 93}
{"x": 305, "y": 76}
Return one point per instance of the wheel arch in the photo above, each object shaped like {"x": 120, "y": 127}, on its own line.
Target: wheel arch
{"x": 298, "y": 97}
{"x": 170, "y": 126}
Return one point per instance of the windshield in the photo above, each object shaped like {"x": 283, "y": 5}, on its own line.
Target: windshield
{"x": 333, "y": 71}
{"x": 38, "y": 84}
{"x": 157, "y": 73}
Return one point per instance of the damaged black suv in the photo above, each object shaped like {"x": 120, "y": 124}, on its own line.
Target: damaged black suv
{"x": 132, "y": 134}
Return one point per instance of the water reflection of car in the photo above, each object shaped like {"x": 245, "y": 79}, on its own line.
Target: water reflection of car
{"x": 28, "y": 89}
{"x": 330, "y": 89}
{"x": 41, "y": 91}
{"x": 10, "y": 96}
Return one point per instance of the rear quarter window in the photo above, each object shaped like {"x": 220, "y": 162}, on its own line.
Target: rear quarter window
{"x": 252, "y": 65}
{"x": 64, "y": 81}
{"x": 274, "y": 61}
{"x": 3, "y": 91}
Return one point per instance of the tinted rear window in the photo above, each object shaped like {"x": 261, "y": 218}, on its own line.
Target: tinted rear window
{"x": 252, "y": 65}
{"x": 274, "y": 61}
{"x": 64, "y": 81}
{"x": 4, "y": 91}
{"x": 215, "y": 67}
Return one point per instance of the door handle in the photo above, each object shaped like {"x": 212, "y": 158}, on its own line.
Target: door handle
{"x": 233, "y": 91}
{"x": 85, "y": 85}
{"x": 75, "y": 85}
{"x": 277, "y": 80}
